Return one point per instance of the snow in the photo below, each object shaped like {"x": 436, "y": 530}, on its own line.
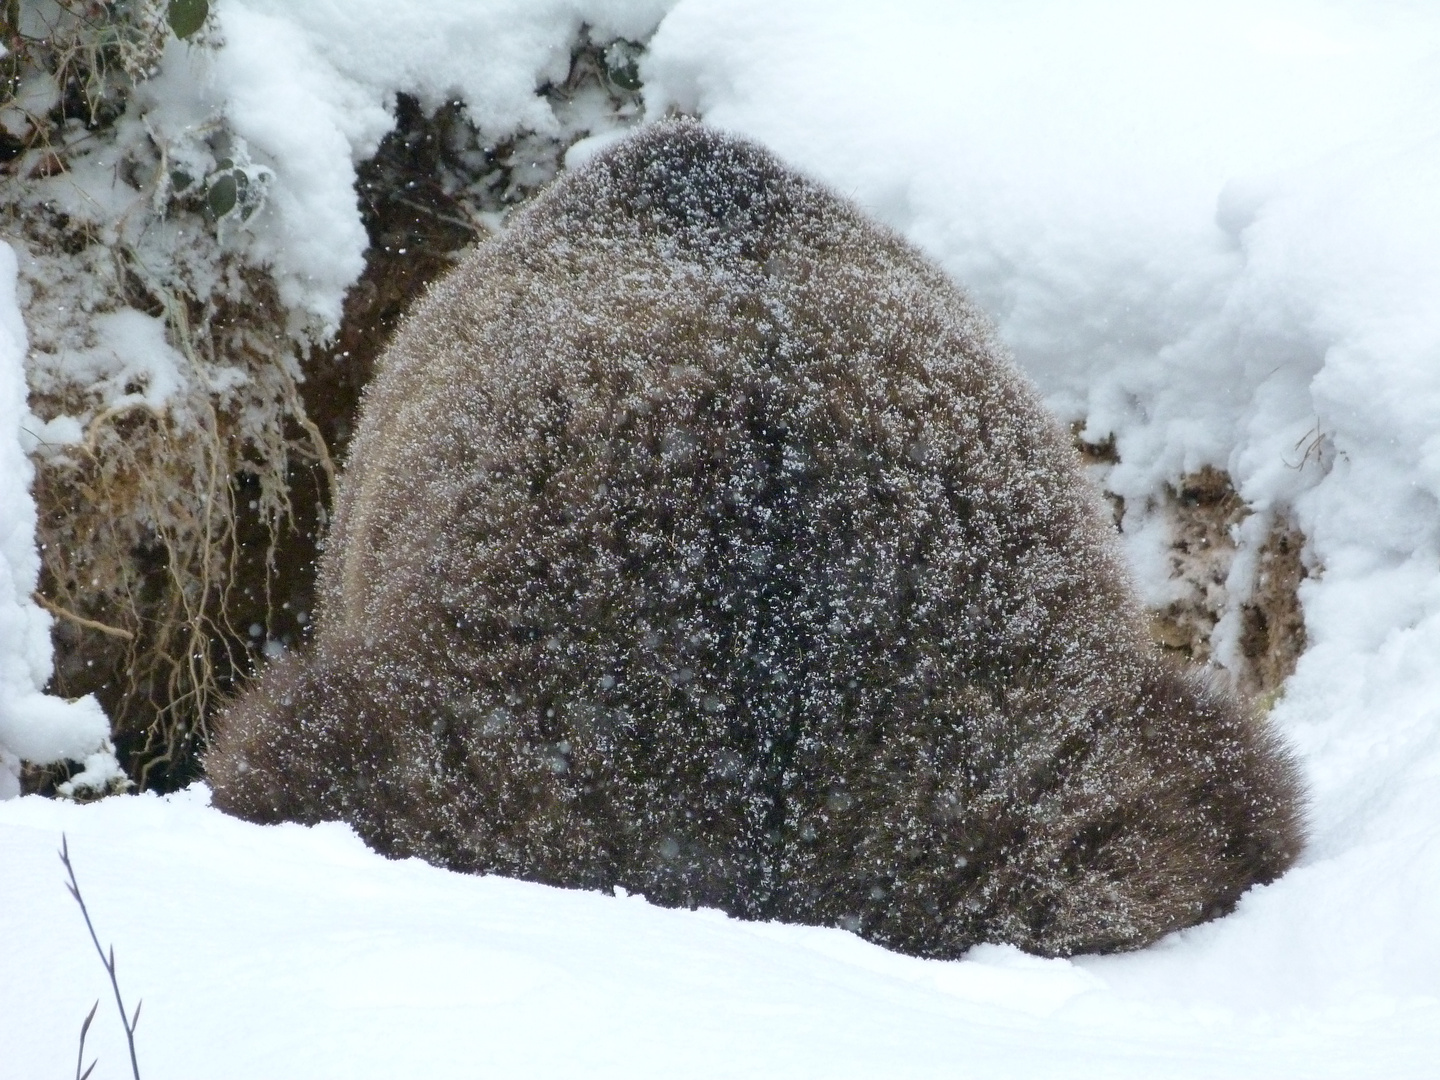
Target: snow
{"x": 1207, "y": 229}
{"x": 307, "y": 88}
{"x": 130, "y": 351}
{"x": 34, "y": 726}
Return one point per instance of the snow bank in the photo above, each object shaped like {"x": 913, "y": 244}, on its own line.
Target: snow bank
{"x": 33, "y": 725}
{"x": 1211, "y": 230}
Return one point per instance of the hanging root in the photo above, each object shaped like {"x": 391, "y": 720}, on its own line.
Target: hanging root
{"x": 143, "y": 556}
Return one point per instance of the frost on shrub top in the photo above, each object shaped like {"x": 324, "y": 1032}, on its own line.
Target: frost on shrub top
{"x": 34, "y": 726}
{"x": 698, "y": 539}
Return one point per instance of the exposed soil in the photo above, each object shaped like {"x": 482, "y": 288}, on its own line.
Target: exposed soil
{"x": 1272, "y": 626}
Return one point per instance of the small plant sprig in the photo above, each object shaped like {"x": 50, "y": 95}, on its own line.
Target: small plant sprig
{"x": 129, "y": 1021}
{"x": 80, "y": 1056}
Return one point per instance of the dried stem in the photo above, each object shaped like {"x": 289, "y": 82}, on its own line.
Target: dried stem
{"x": 129, "y": 1021}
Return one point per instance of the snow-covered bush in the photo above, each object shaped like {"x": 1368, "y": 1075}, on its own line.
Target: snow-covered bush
{"x": 699, "y": 539}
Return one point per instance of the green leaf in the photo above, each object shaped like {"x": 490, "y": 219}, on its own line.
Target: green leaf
{"x": 221, "y": 198}
{"x": 627, "y": 77}
{"x": 622, "y": 66}
{"x": 187, "y": 16}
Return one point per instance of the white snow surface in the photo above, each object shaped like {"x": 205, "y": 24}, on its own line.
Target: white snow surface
{"x": 293, "y": 952}
{"x": 1209, "y": 229}
{"x": 34, "y": 726}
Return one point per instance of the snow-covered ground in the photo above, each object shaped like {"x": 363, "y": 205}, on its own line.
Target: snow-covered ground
{"x": 291, "y": 952}
{"x": 1209, "y": 229}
